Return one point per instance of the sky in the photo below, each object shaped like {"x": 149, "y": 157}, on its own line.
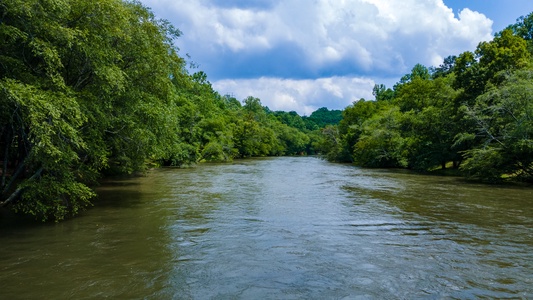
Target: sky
{"x": 301, "y": 55}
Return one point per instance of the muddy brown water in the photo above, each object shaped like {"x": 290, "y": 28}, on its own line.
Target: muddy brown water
{"x": 279, "y": 228}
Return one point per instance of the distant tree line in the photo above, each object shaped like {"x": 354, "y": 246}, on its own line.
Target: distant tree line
{"x": 95, "y": 88}
{"x": 473, "y": 114}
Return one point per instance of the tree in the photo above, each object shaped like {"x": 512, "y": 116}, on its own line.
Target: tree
{"x": 331, "y": 145}
{"x": 524, "y": 29}
{"x": 488, "y": 66}
{"x": 429, "y": 122}
{"x": 382, "y": 93}
{"x": 351, "y": 125}
{"x": 323, "y": 116}
{"x": 40, "y": 120}
{"x": 41, "y": 173}
{"x": 507, "y": 52}
{"x": 291, "y": 119}
{"x": 504, "y": 118}
{"x": 381, "y": 143}
{"x": 86, "y": 88}
{"x": 291, "y": 141}
{"x": 419, "y": 71}
{"x": 446, "y": 68}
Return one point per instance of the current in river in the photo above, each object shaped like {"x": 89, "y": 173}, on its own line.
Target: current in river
{"x": 279, "y": 228}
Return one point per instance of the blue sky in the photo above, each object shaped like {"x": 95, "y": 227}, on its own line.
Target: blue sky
{"x": 305, "y": 54}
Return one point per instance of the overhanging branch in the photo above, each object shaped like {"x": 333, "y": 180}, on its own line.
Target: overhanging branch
{"x": 18, "y": 191}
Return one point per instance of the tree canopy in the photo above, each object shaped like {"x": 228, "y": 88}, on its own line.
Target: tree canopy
{"x": 472, "y": 113}
{"x": 93, "y": 88}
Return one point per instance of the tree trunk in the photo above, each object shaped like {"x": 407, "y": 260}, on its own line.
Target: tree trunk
{"x": 15, "y": 175}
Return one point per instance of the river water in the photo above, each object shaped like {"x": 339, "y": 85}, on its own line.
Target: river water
{"x": 279, "y": 228}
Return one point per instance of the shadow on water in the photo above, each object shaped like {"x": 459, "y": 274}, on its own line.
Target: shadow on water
{"x": 118, "y": 191}
{"x": 117, "y": 248}
{"x": 11, "y": 222}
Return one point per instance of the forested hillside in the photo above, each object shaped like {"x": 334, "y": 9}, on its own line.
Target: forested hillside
{"x": 473, "y": 113}
{"x": 92, "y": 88}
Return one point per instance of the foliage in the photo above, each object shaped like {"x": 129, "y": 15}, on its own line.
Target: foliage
{"x": 331, "y": 144}
{"x": 504, "y": 118}
{"x": 92, "y": 88}
{"x": 323, "y": 117}
{"x": 428, "y": 122}
{"x": 524, "y": 29}
{"x": 381, "y": 143}
{"x": 472, "y": 112}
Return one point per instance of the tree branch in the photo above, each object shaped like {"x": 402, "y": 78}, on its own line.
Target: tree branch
{"x": 19, "y": 170}
{"x": 18, "y": 191}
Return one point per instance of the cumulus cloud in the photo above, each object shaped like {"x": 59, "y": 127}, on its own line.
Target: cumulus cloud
{"x": 302, "y": 96}
{"x": 364, "y": 36}
{"x": 301, "y": 54}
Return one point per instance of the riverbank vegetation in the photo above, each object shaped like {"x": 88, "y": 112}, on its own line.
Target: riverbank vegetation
{"x": 95, "y": 88}
{"x": 92, "y": 88}
{"x": 473, "y": 113}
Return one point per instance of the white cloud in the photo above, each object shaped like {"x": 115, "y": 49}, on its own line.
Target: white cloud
{"x": 341, "y": 41}
{"x": 302, "y": 96}
{"x": 372, "y": 33}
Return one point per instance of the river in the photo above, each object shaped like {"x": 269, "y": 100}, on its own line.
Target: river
{"x": 279, "y": 228}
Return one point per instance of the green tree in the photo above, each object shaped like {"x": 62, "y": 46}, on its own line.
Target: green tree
{"x": 291, "y": 141}
{"x": 446, "y": 68}
{"x": 40, "y": 117}
{"x": 86, "y": 88}
{"x": 331, "y": 144}
{"x": 382, "y": 93}
{"x": 429, "y": 122}
{"x": 41, "y": 173}
{"x": 381, "y": 143}
{"x": 524, "y": 29}
{"x": 504, "y": 118}
{"x": 417, "y": 72}
{"x": 253, "y": 134}
{"x": 488, "y": 66}
{"x": 323, "y": 116}
{"x": 351, "y": 125}
{"x": 291, "y": 119}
